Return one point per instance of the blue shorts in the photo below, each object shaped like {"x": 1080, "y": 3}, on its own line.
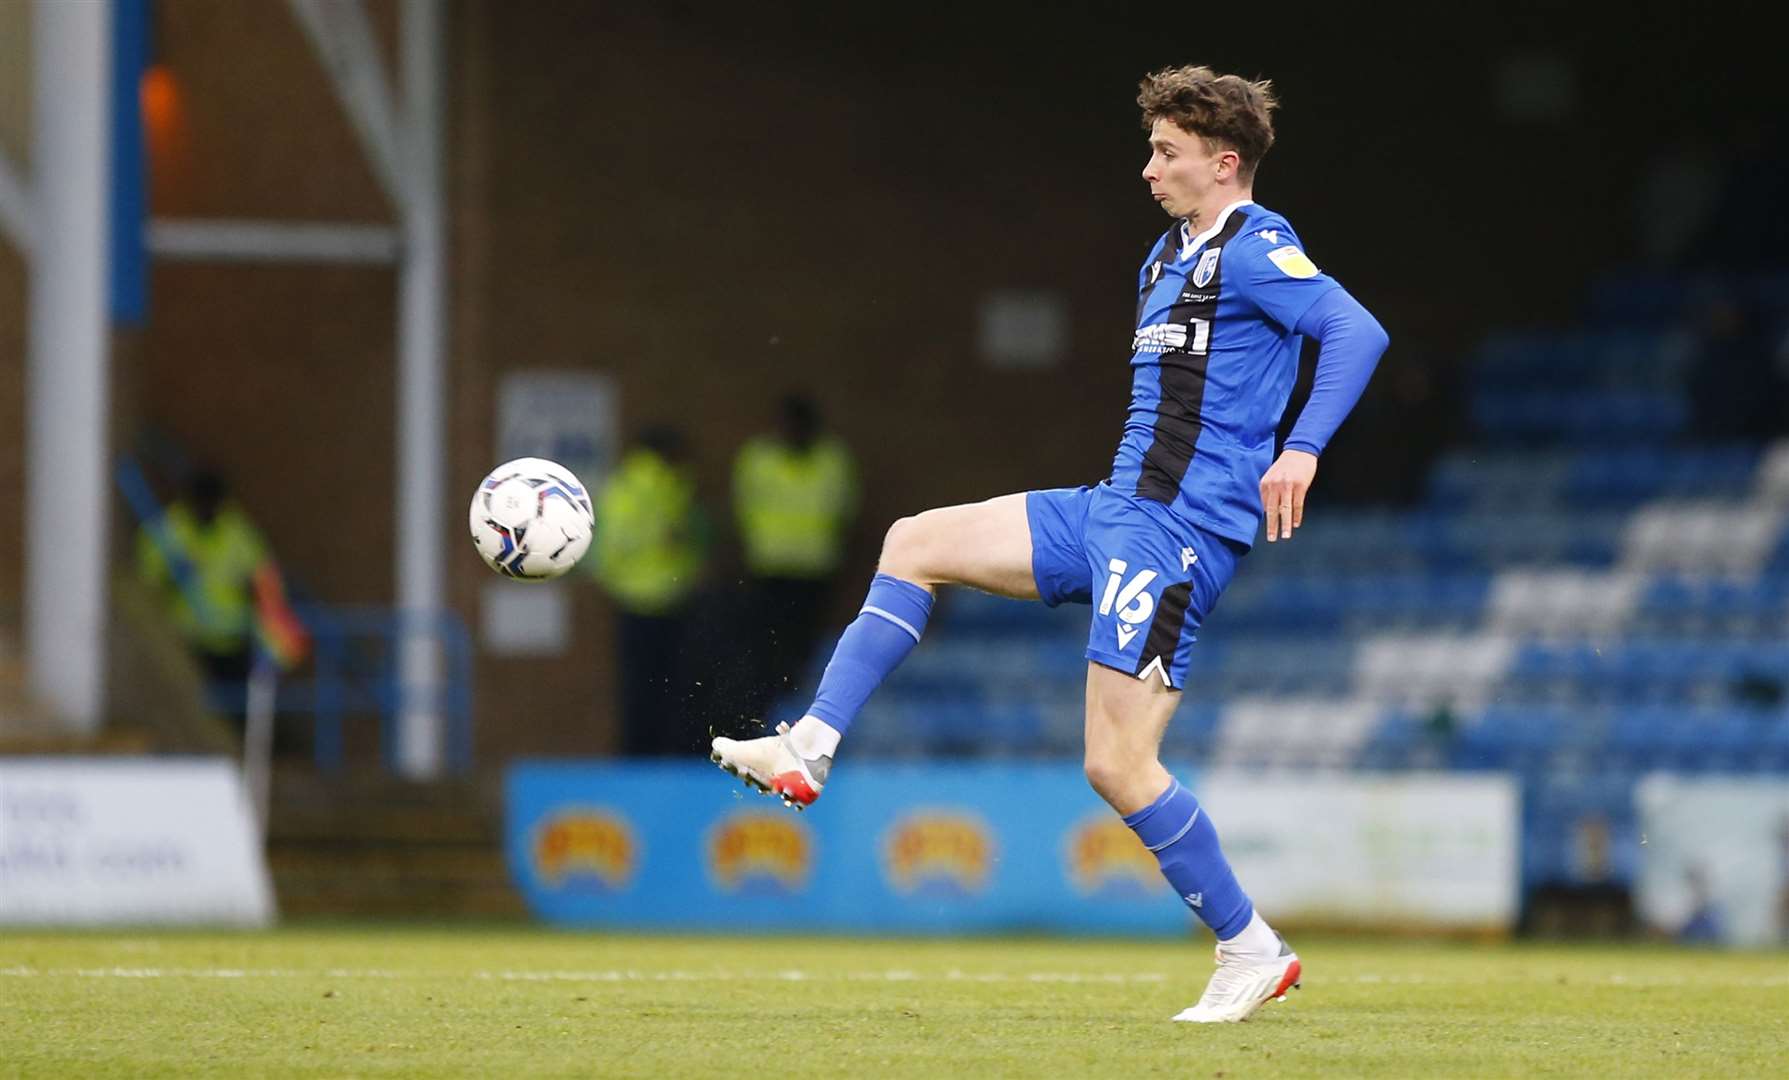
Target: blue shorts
{"x": 1152, "y": 579}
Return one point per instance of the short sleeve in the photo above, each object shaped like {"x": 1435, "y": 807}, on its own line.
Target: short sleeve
{"x": 1275, "y": 274}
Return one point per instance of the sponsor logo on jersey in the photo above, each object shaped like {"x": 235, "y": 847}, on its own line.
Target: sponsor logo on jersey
{"x": 1293, "y": 262}
{"x": 1206, "y": 267}
{"x": 938, "y": 852}
{"x": 584, "y": 849}
{"x": 1106, "y": 859}
{"x": 751, "y": 851}
{"x": 1159, "y": 338}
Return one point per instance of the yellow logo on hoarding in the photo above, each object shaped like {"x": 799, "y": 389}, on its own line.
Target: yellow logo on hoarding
{"x": 585, "y": 846}
{"x": 1105, "y": 857}
{"x": 938, "y": 850}
{"x": 755, "y": 851}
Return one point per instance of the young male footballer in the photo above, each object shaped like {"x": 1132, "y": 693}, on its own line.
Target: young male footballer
{"x": 1224, "y": 300}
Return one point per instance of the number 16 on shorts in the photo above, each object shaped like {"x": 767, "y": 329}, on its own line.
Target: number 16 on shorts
{"x": 1131, "y": 599}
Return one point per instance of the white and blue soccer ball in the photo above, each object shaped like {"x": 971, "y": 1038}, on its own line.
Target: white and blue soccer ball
{"x": 531, "y": 519}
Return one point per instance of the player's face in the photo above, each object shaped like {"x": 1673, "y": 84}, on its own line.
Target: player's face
{"x": 1182, "y": 169}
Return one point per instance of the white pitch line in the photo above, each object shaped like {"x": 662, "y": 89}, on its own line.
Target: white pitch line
{"x": 613, "y": 975}
{"x": 628, "y": 975}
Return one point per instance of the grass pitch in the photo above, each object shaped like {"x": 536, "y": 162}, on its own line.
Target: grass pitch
{"x": 499, "y": 1002}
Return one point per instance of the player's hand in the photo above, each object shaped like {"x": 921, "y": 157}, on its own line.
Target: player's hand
{"x": 1283, "y": 490}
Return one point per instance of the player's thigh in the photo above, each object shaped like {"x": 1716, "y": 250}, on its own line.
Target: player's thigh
{"x": 985, "y": 545}
{"x": 1126, "y": 715}
{"x": 1126, "y": 718}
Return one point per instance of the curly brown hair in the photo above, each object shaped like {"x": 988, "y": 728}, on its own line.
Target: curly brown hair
{"x": 1225, "y": 109}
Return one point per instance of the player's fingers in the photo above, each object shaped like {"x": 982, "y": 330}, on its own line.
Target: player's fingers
{"x": 1286, "y": 514}
{"x": 1298, "y": 494}
{"x": 1271, "y": 504}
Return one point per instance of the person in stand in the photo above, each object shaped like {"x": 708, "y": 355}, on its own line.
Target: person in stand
{"x": 650, "y": 546}
{"x": 219, "y": 583}
{"x": 794, "y": 497}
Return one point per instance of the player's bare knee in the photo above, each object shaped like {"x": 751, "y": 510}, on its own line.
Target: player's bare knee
{"x": 1107, "y": 773}
{"x": 904, "y": 550}
{"x": 896, "y": 545}
{"x": 1127, "y": 774}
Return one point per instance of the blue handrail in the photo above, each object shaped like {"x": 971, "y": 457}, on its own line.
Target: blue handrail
{"x": 356, "y": 669}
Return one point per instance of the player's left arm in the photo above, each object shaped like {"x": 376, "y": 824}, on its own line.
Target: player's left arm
{"x": 1351, "y": 343}
{"x": 1290, "y": 289}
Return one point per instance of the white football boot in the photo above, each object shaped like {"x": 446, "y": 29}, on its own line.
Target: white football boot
{"x": 1241, "y": 985}
{"x": 772, "y": 765}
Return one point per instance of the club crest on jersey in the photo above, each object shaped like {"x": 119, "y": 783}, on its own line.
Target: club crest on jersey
{"x": 584, "y": 849}
{"x": 1206, "y": 268}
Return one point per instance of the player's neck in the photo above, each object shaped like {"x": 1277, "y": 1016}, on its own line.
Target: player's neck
{"x": 1205, "y": 215}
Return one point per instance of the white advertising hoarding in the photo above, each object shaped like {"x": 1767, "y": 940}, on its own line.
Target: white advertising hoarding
{"x": 1405, "y": 850}
{"x": 91, "y": 841}
{"x": 1714, "y": 858}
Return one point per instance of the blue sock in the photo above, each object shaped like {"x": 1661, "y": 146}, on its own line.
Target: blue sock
{"x": 884, "y": 632}
{"x": 1181, "y": 835}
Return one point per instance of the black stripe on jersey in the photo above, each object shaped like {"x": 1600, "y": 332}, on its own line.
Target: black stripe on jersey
{"x": 1165, "y": 628}
{"x": 1170, "y": 248}
{"x": 1177, "y": 423}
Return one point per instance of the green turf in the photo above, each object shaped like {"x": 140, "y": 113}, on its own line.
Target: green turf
{"x": 500, "y": 1002}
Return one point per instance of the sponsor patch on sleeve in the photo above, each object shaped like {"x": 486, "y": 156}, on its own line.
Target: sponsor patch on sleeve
{"x": 1293, "y": 262}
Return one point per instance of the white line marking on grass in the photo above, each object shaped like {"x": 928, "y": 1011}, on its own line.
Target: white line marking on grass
{"x": 894, "y": 975}
{"x": 614, "y": 975}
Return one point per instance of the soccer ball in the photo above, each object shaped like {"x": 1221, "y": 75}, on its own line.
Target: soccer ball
{"x": 531, "y": 519}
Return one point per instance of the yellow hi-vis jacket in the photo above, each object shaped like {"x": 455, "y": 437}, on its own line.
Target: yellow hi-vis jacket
{"x": 234, "y": 593}
{"x": 793, "y": 507}
{"x": 648, "y": 535}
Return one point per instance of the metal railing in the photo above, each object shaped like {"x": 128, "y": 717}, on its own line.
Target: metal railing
{"x": 355, "y": 671}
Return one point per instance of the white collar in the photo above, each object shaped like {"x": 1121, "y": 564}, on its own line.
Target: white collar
{"x": 1196, "y": 242}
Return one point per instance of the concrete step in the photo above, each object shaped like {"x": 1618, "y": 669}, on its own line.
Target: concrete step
{"x": 366, "y": 844}
{"x": 383, "y": 881}
{"x": 29, "y": 739}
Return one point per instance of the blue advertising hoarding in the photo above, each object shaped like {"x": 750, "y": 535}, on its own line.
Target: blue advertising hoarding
{"x": 928, "y": 848}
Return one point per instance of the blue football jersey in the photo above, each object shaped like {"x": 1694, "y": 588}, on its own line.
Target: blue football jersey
{"x": 1212, "y": 365}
